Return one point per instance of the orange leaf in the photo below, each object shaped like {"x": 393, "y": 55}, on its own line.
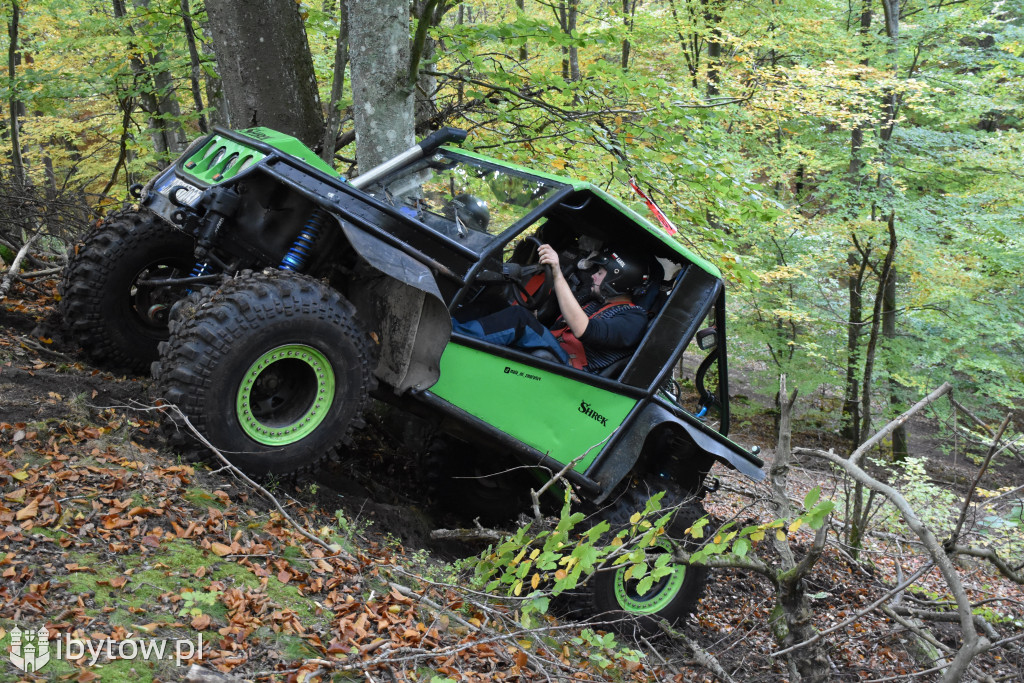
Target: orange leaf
{"x": 201, "y": 623}
{"x": 220, "y": 549}
{"x": 521, "y": 658}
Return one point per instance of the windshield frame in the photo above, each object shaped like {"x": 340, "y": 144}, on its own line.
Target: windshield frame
{"x": 555, "y": 191}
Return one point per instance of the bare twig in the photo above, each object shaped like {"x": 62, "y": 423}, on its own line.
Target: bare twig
{"x": 700, "y": 655}
{"x": 973, "y": 643}
{"x": 846, "y": 622}
{"x": 535, "y": 495}
{"x": 885, "y": 431}
{"x": 333, "y": 548}
{"x": 951, "y": 541}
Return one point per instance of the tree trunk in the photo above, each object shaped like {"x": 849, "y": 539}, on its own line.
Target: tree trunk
{"x": 628, "y": 13}
{"x": 876, "y": 317}
{"x": 332, "y": 129}
{"x": 147, "y": 96}
{"x": 713, "y": 19}
{"x": 899, "y": 435}
{"x": 567, "y": 13}
{"x": 851, "y": 417}
{"x": 382, "y": 93}
{"x": 428, "y": 14}
{"x": 523, "y": 52}
{"x": 15, "y": 104}
{"x": 792, "y": 619}
{"x": 265, "y": 66}
{"x": 195, "y": 63}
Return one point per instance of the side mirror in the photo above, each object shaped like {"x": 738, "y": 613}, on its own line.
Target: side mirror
{"x": 707, "y": 339}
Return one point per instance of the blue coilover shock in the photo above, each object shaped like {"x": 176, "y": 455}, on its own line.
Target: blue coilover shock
{"x": 201, "y": 268}
{"x": 302, "y": 247}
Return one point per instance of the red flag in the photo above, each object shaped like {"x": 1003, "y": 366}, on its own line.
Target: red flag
{"x": 658, "y": 213}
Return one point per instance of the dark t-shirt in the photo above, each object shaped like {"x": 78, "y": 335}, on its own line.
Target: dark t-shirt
{"x": 611, "y": 334}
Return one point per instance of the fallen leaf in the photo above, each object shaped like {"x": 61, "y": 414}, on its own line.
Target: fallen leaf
{"x": 29, "y": 511}
{"x": 220, "y": 549}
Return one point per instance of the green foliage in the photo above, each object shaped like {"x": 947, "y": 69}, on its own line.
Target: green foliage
{"x": 749, "y": 154}
{"x": 728, "y": 540}
{"x": 936, "y": 506}
{"x": 193, "y": 603}
{"x": 546, "y": 563}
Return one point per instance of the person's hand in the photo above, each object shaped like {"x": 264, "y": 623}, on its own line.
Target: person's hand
{"x": 549, "y": 257}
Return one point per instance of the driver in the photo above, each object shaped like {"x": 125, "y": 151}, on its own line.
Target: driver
{"x": 589, "y": 336}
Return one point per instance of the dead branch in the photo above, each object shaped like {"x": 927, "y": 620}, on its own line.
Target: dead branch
{"x": 199, "y": 674}
{"x": 535, "y": 495}
{"x": 973, "y": 643}
{"x": 468, "y": 535}
{"x": 981, "y": 423}
{"x": 885, "y": 431}
{"x": 1013, "y": 574}
{"x": 336, "y": 551}
{"x": 974, "y": 485}
{"x": 701, "y": 656}
{"x": 12, "y": 272}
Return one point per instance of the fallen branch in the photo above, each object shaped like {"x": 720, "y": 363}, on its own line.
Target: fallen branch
{"x": 973, "y": 643}
{"x": 468, "y": 535}
{"x": 12, "y": 272}
{"x": 333, "y": 548}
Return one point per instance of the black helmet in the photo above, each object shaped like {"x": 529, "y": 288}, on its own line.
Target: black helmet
{"x": 470, "y": 211}
{"x": 625, "y": 272}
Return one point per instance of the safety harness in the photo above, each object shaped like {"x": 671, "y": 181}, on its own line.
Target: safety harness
{"x": 572, "y": 346}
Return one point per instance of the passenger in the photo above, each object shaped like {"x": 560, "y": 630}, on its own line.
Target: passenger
{"x": 590, "y": 336}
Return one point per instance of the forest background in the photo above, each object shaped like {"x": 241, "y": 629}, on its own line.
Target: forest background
{"x": 853, "y": 167}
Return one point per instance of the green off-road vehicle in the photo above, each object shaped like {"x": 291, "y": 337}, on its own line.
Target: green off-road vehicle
{"x": 273, "y": 299}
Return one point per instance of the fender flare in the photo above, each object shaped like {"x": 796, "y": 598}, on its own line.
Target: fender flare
{"x": 610, "y": 471}
{"x": 409, "y": 317}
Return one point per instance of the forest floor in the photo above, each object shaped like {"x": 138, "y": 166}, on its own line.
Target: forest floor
{"x": 113, "y": 543}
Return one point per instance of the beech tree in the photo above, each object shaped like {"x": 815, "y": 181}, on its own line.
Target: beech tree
{"x": 265, "y": 65}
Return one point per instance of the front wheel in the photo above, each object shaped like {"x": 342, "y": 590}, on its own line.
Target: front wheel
{"x": 618, "y": 600}
{"x": 272, "y": 369}
{"x": 106, "y": 303}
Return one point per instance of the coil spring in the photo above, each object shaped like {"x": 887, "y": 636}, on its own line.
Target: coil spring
{"x": 200, "y": 269}
{"x": 302, "y": 247}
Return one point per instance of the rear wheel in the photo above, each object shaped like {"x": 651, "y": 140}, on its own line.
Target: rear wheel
{"x": 272, "y": 368}
{"x": 618, "y": 600}
{"x": 116, "y": 320}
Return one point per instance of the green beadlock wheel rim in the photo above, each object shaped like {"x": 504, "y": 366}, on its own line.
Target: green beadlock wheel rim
{"x": 285, "y": 395}
{"x": 657, "y": 598}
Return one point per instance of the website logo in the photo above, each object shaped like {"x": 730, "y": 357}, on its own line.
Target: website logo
{"x": 30, "y": 650}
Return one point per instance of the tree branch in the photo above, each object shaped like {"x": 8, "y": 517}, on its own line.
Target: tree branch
{"x": 885, "y": 431}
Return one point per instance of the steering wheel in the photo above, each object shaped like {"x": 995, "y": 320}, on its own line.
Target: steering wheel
{"x": 519, "y": 278}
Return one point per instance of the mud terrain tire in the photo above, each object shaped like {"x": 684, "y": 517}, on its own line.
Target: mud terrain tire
{"x": 615, "y": 599}
{"x": 104, "y": 311}
{"x": 272, "y": 368}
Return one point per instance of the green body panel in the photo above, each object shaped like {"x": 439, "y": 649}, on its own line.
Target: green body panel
{"x": 221, "y": 159}
{"x": 559, "y": 416}
{"x": 290, "y": 146}
{"x": 581, "y": 186}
